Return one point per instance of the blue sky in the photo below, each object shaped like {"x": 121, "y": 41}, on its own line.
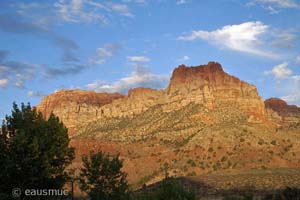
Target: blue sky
{"x": 111, "y": 46}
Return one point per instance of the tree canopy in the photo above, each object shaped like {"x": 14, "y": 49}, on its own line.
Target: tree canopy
{"x": 34, "y": 152}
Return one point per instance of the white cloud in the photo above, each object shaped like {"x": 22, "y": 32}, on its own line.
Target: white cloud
{"x": 34, "y": 94}
{"x": 278, "y": 3}
{"x": 75, "y": 11}
{"x": 280, "y": 71}
{"x": 243, "y": 37}
{"x": 284, "y": 39}
{"x": 298, "y": 60}
{"x": 275, "y": 6}
{"x": 104, "y": 53}
{"x": 291, "y": 90}
{"x": 121, "y": 9}
{"x": 291, "y": 98}
{"x": 87, "y": 11}
{"x": 140, "y": 77}
{"x": 138, "y": 58}
{"x": 3, "y": 82}
{"x": 180, "y": 2}
{"x": 271, "y": 9}
{"x": 184, "y": 58}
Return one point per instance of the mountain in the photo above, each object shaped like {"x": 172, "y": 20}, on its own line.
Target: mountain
{"x": 204, "y": 121}
{"x": 207, "y": 85}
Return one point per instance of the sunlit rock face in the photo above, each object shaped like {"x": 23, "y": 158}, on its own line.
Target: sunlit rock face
{"x": 207, "y": 85}
{"x": 74, "y": 107}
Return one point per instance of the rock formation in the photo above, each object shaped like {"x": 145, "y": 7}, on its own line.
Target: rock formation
{"x": 74, "y": 107}
{"x": 207, "y": 85}
{"x": 278, "y": 110}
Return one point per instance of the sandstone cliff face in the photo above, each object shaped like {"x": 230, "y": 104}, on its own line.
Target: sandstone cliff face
{"x": 207, "y": 85}
{"x": 278, "y": 110}
{"x": 75, "y": 106}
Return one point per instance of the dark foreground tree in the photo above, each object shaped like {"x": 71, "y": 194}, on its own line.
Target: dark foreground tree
{"x": 34, "y": 152}
{"x": 171, "y": 189}
{"x": 101, "y": 177}
{"x": 168, "y": 189}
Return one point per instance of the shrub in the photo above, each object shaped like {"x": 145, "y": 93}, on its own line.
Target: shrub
{"x": 191, "y": 162}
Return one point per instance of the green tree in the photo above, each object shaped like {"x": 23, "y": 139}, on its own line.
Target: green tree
{"x": 168, "y": 189}
{"x": 171, "y": 189}
{"x": 34, "y": 152}
{"x": 101, "y": 177}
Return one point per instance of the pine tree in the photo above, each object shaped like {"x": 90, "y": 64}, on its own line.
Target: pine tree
{"x": 34, "y": 152}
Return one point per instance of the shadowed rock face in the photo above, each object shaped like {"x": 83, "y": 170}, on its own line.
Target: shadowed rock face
{"x": 207, "y": 85}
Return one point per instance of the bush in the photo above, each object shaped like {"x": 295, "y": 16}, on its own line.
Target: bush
{"x": 273, "y": 142}
{"x": 191, "y": 162}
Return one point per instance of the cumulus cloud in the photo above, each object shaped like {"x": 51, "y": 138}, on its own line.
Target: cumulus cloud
{"x": 245, "y": 37}
{"x": 140, "y": 77}
{"x": 104, "y": 53}
{"x": 280, "y": 71}
{"x": 138, "y": 59}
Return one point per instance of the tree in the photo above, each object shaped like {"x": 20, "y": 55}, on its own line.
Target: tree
{"x": 34, "y": 152}
{"x": 101, "y": 177}
{"x": 168, "y": 189}
{"x": 171, "y": 189}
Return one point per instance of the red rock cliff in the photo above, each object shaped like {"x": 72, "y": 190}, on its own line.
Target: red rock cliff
{"x": 207, "y": 85}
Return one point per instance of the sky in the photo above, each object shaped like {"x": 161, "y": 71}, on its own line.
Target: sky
{"x": 112, "y": 46}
